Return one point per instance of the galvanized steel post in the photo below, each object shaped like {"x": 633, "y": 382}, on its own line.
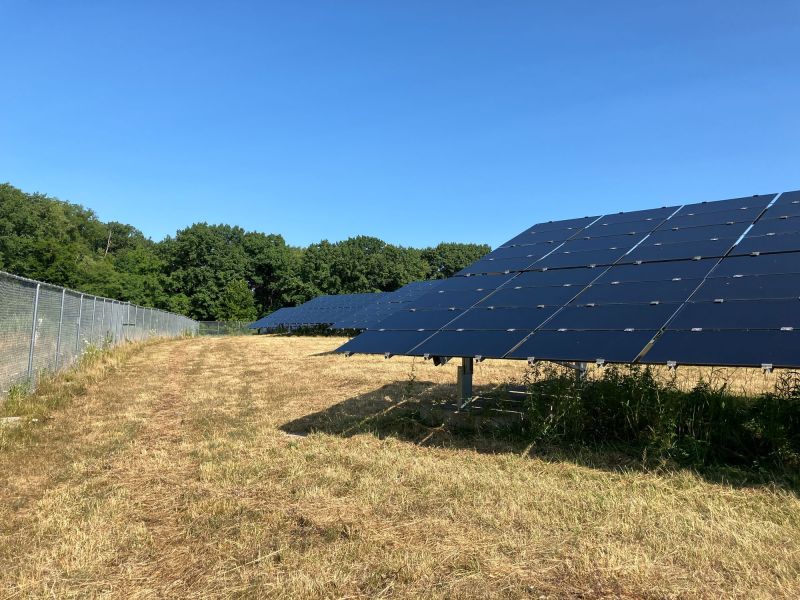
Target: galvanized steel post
{"x": 78, "y": 328}
{"x": 33, "y": 331}
{"x": 60, "y": 328}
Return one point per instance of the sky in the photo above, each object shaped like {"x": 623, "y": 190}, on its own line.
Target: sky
{"x": 414, "y": 121}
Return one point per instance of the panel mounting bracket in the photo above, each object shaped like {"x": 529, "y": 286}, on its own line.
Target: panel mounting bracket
{"x": 672, "y": 365}
{"x": 766, "y": 367}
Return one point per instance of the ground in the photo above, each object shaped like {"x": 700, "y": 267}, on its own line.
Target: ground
{"x": 270, "y": 467}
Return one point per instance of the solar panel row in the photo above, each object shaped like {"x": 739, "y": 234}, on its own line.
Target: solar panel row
{"x": 345, "y": 311}
{"x": 322, "y": 310}
{"x": 680, "y": 283}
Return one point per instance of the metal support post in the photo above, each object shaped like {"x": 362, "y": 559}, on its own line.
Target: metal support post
{"x": 33, "y": 332}
{"x": 78, "y": 328}
{"x": 465, "y": 382}
{"x": 580, "y": 371}
{"x": 60, "y": 329}
{"x": 91, "y": 332}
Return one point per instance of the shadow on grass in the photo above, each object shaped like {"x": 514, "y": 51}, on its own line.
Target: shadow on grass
{"x": 396, "y": 411}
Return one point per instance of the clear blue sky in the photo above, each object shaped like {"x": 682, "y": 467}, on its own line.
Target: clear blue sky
{"x": 415, "y": 122}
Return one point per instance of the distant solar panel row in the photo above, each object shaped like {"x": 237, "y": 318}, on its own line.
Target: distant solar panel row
{"x": 714, "y": 283}
{"x": 345, "y": 311}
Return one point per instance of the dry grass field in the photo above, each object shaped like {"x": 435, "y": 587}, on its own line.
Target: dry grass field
{"x": 269, "y": 467}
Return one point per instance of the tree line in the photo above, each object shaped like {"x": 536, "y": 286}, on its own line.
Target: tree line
{"x": 207, "y": 272}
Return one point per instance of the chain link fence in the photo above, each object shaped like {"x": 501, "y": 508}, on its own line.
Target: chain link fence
{"x": 45, "y": 328}
{"x": 224, "y": 328}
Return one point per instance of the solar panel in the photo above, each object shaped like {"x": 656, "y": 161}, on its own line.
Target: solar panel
{"x": 530, "y": 296}
{"x": 584, "y": 346}
{"x": 634, "y": 292}
{"x": 384, "y": 342}
{"x": 623, "y": 287}
{"x": 678, "y": 269}
{"x": 729, "y": 348}
{"x": 750, "y": 287}
{"x": 738, "y": 314}
{"x": 673, "y": 235}
{"x": 613, "y": 316}
{"x": 385, "y": 306}
{"x": 503, "y": 318}
{"x": 486, "y": 344}
{"x": 738, "y": 266}
{"x": 432, "y": 319}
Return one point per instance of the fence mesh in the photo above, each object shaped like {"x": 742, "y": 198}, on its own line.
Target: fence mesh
{"x": 44, "y": 328}
{"x": 224, "y": 328}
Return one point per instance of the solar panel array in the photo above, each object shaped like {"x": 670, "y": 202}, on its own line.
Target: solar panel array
{"x": 345, "y": 311}
{"x": 385, "y": 305}
{"x": 322, "y": 310}
{"x": 712, "y": 283}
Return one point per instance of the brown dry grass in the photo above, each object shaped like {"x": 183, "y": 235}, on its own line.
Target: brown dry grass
{"x": 170, "y": 473}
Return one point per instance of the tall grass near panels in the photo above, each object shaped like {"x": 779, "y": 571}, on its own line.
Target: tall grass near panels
{"x": 636, "y": 408}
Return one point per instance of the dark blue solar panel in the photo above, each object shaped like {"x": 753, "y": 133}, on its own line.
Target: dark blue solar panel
{"x": 686, "y": 219}
{"x": 788, "y": 205}
{"x": 488, "y": 344}
{"x": 419, "y": 319}
{"x": 474, "y": 282}
{"x": 689, "y": 250}
{"x": 747, "y": 202}
{"x": 383, "y": 342}
{"x": 620, "y": 229}
{"x": 751, "y": 287}
{"x": 758, "y": 265}
{"x": 502, "y": 318}
{"x": 639, "y": 292}
{"x": 684, "y": 269}
{"x": 613, "y": 316}
{"x": 568, "y": 224}
{"x": 448, "y": 299}
{"x": 560, "y": 260}
{"x": 274, "y": 320}
{"x": 739, "y": 314}
{"x": 527, "y": 296}
{"x": 786, "y": 242}
{"x": 533, "y": 251}
{"x": 727, "y": 348}
{"x": 385, "y": 305}
{"x": 584, "y": 346}
{"x": 600, "y": 243}
{"x": 698, "y": 234}
{"x": 650, "y": 214}
{"x": 765, "y": 226}
{"x": 502, "y": 265}
{"x": 575, "y": 277}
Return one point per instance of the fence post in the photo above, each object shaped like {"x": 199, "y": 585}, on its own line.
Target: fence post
{"x": 60, "y": 328}
{"x": 94, "y": 310}
{"x": 78, "y": 329}
{"x": 33, "y": 332}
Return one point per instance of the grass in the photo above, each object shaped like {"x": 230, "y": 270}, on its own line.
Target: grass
{"x": 269, "y": 467}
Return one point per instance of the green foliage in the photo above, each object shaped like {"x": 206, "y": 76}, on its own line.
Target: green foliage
{"x": 447, "y": 259}
{"x": 204, "y": 270}
{"x": 630, "y": 407}
{"x": 237, "y": 302}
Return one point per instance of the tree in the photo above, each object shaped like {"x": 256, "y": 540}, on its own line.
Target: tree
{"x": 447, "y": 259}
{"x": 204, "y": 270}
{"x": 237, "y": 302}
{"x": 201, "y": 261}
